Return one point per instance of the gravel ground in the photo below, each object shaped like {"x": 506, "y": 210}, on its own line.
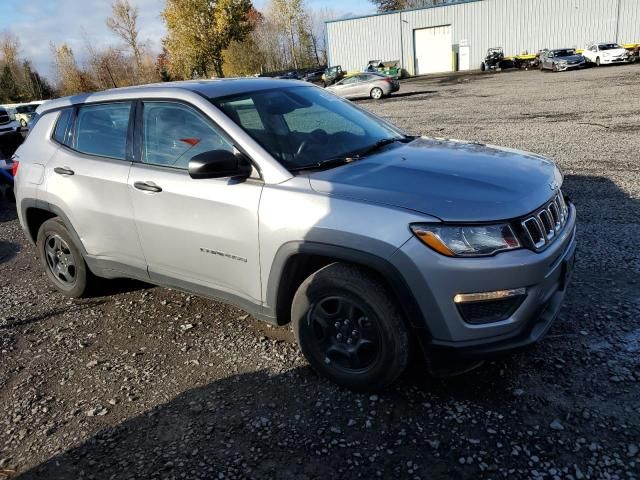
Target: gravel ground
{"x": 145, "y": 382}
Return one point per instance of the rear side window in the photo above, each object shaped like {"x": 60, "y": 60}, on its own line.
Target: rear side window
{"x": 59, "y": 133}
{"x": 102, "y": 130}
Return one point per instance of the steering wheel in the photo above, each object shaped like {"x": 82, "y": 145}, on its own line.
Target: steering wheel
{"x": 317, "y": 134}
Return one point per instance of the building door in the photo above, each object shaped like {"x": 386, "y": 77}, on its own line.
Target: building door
{"x": 433, "y": 50}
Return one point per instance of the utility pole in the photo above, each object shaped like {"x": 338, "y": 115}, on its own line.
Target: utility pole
{"x": 618, "y": 22}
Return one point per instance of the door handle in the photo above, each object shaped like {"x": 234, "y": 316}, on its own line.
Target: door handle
{"x": 147, "y": 187}
{"x": 63, "y": 171}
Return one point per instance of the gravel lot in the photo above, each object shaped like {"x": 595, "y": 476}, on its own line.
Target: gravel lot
{"x": 145, "y": 382}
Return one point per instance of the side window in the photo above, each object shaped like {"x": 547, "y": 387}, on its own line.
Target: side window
{"x": 173, "y": 133}
{"x": 102, "y": 130}
{"x": 244, "y": 113}
{"x": 59, "y": 133}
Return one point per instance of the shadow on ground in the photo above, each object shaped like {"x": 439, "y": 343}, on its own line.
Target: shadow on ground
{"x": 8, "y": 250}
{"x": 257, "y": 425}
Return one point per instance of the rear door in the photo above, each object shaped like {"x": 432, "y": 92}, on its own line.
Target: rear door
{"x": 87, "y": 180}
{"x": 194, "y": 233}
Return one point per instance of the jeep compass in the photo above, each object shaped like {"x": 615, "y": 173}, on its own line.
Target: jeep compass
{"x": 302, "y": 208}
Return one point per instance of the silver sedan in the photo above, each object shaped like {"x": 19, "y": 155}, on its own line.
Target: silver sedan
{"x": 367, "y": 84}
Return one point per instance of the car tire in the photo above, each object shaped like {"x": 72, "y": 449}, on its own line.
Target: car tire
{"x": 554, "y": 68}
{"x": 483, "y": 67}
{"x": 597, "y": 61}
{"x": 62, "y": 260}
{"x": 376, "y": 93}
{"x": 350, "y": 328}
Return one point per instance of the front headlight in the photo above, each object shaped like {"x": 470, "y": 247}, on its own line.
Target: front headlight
{"x": 466, "y": 240}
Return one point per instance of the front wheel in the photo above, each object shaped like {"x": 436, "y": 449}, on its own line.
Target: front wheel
{"x": 597, "y": 61}
{"x": 377, "y": 93}
{"x": 349, "y": 328}
{"x": 62, "y": 260}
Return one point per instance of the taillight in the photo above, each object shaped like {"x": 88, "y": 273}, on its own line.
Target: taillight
{"x": 14, "y": 168}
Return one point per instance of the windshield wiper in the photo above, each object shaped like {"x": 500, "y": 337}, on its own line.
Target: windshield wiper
{"x": 352, "y": 156}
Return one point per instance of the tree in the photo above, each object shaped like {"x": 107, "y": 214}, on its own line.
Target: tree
{"x": 9, "y": 92}
{"x": 124, "y": 23}
{"x": 35, "y": 86}
{"x": 391, "y": 5}
{"x": 71, "y": 79}
{"x": 200, "y": 30}
{"x": 245, "y": 57}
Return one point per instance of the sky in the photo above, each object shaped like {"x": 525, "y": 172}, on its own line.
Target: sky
{"x": 37, "y": 23}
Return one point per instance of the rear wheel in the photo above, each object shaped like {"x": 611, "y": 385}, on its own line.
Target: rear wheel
{"x": 377, "y": 93}
{"x": 349, "y": 328}
{"x": 62, "y": 261}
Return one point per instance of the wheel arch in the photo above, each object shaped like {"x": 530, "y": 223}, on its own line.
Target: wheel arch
{"x": 295, "y": 261}
{"x": 35, "y": 213}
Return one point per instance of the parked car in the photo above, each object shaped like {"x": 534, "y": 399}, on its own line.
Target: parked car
{"x": 25, "y": 113}
{"x": 9, "y": 126}
{"x": 360, "y": 85}
{"x": 313, "y": 77}
{"x": 10, "y": 136}
{"x": 561, "y": 59}
{"x": 606, "y": 54}
{"x": 301, "y": 207}
{"x": 332, "y": 75}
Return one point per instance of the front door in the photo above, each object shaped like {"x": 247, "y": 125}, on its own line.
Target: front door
{"x": 193, "y": 232}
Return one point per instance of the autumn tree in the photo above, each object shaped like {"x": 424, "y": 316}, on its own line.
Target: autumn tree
{"x": 71, "y": 78}
{"x": 200, "y": 30}
{"x": 124, "y": 23}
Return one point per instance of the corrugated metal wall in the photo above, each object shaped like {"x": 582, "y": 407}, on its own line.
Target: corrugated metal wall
{"x": 516, "y": 25}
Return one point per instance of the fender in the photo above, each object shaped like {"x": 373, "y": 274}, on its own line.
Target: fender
{"x": 380, "y": 265}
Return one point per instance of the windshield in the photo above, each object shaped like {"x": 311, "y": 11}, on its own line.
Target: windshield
{"x": 26, "y": 108}
{"x": 564, "y": 53}
{"x": 609, "y": 46}
{"x": 304, "y": 126}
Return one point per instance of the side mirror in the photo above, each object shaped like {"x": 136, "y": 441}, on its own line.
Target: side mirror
{"x": 219, "y": 164}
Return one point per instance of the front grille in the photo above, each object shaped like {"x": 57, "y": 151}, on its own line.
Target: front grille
{"x": 542, "y": 227}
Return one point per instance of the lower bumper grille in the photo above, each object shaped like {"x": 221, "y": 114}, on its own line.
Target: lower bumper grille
{"x": 490, "y": 310}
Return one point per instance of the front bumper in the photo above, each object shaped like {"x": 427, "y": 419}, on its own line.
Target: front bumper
{"x": 574, "y": 66}
{"x": 435, "y": 279}
{"x": 608, "y": 61}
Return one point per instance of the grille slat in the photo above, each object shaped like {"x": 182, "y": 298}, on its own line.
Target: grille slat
{"x": 542, "y": 227}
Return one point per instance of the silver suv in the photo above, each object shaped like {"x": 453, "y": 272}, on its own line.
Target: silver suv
{"x": 300, "y": 207}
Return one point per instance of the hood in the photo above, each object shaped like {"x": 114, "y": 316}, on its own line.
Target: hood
{"x": 452, "y": 180}
{"x": 616, "y": 52}
{"x": 572, "y": 58}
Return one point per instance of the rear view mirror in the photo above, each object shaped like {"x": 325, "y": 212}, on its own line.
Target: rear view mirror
{"x": 219, "y": 164}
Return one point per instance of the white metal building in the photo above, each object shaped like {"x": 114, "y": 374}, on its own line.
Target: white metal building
{"x": 428, "y": 40}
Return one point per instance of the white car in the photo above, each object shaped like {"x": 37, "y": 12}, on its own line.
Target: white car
{"x": 606, "y": 53}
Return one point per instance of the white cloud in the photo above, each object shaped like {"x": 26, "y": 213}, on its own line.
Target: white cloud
{"x": 42, "y": 22}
